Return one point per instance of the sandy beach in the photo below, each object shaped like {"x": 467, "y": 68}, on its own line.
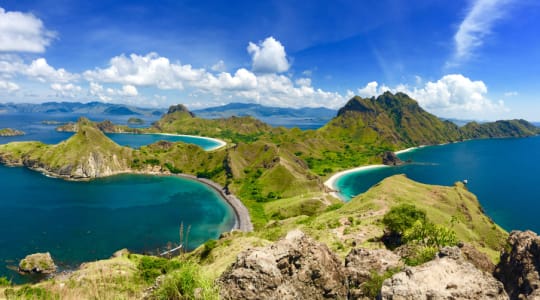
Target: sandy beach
{"x": 331, "y": 182}
{"x": 221, "y": 143}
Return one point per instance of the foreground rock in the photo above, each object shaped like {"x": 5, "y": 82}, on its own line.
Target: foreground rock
{"x": 520, "y": 264}
{"x": 10, "y": 132}
{"x": 38, "y": 263}
{"x": 362, "y": 263}
{"x": 296, "y": 267}
{"x": 390, "y": 159}
{"x": 449, "y": 277}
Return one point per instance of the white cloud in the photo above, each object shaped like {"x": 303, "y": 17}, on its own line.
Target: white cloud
{"x": 453, "y": 95}
{"x": 128, "y": 90}
{"x": 20, "y": 32}
{"x": 219, "y": 66}
{"x": 478, "y": 23}
{"x": 148, "y": 70}
{"x": 369, "y": 90}
{"x": 42, "y": 71}
{"x": 8, "y": 86}
{"x": 66, "y": 90}
{"x": 268, "y": 56}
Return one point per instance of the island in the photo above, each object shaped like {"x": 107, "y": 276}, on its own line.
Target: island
{"x": 302, "y": 241}
{"x": 135, "y": 121}
{"x": 11, "y": 132}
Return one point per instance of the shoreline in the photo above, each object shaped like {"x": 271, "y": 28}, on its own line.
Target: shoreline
{"x": 221, "y": 143}
{"x": 242, "y": 218}
{"x": 331, "y": 182}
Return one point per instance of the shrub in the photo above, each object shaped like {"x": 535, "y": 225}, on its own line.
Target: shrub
{"x": 334, "y": 206}
{"x": 4, "y": 281}
{"x": 373, "y": 285}
{"x": 186, "y": 283}
{"x": 421, "y": 254}
{"x": 208, "y": 247}
{"x": 28, "y": 292}
{"x": 151, "y": 267}
{"x": 402, "y": 217}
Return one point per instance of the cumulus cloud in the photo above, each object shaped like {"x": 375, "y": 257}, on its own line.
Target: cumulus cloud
{"x": 148, "y": 70}
{"x": 453, "y": 95}
{"x": 478, "y": 23}
{"x": 8, "y": 86}
{"x": 128, "y": 90}
{"x": 20, "y": 32}
{"x": 219, "y": 66}
{"x": 38, "y": 69}
{"x": 268, "y": 56}
{"x": 66, "y": 90}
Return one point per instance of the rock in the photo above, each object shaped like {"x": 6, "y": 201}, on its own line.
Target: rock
{"x": 121, "y": 252}
{"x": 443, "y": 278}
{"x": 361, "y": 263}
{"x": 179, "y": 108}
{"x": 478, "y": 259}
{"x": 296, "y": 267}
{"x": 519, "y": 265}
{"x": 390, "y": 159}
{"x": 38, "y": 263}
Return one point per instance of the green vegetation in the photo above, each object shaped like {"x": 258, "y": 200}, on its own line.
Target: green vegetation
{"x": 278, "y": 174}
{"x": 372, "y": 287}
{"x": 135, "y": 121}
{"x": 10, "y": 132}
{"x": 4, "y": 281}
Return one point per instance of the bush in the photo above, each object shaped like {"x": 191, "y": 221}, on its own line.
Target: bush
{"x": 421, "y": 254}
{"x": 208, "y": 247}
{"x": 186, "y": 283}
{"x": 334, "y": 207}
{"x": 402, "y": 217}
{"x": 151, "y": 267}
{"x": 4, "y": 281}
{"x": 28, "y": 292}
{"x": 373, "y": 285}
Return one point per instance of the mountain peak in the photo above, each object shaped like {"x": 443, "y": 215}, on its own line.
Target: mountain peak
{"x": 181, "y": 108}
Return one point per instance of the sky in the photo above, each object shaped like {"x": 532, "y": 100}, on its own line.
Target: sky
{"x": 465, "y": 59}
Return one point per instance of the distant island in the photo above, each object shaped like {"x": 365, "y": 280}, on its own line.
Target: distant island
{"x": 11, "y": 132}
{"x": 51, "y": 122}
{"x": 135, "y": 121}
{"x": 305, "y": 242}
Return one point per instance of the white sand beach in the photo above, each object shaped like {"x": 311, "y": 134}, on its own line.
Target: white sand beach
{"x": 221, "y": 143}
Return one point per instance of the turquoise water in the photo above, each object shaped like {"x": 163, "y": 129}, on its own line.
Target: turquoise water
{"x": 503, "y": 173}
{"x": 85, "y": 221}
{"x": 138, "y": 140}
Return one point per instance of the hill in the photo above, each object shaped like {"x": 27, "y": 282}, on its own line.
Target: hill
{"x": 94, "y": 108}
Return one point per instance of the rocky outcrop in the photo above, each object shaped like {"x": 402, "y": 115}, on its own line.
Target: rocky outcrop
{"x": 390, "y": 159}
{"x": 38, "y": 263}
{"x": 179, "y": 108}
{"x": 447, "y": 277}
{"x": 519, "y": 265}
{"x": 362, "y": 263}
{"x": 105, "y": 126}
{"x": 11, "y": 132}
{"x": 296, "y": 267}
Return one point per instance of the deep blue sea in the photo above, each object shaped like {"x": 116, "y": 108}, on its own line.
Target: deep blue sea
{"x": 85, "y": 221}
{"x": 503, "y": 173}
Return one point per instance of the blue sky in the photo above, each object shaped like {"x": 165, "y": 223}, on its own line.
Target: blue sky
{"x": 476, "y": 59}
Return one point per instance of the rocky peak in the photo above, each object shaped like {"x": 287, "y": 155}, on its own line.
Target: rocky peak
{"x": 391, "y": 159}
{"x": 296, "y": 267}
{"x": 446, "y": 277}
{"x": 179, "y": 108}
{"x": 519, "y": 265}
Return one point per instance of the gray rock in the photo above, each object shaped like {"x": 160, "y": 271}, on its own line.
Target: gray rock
{"x": 443, "y": 278}
{"x": 296, "y": 267}
{"x": 519, "y": 265}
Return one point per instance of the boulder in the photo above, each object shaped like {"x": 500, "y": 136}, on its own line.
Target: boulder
{"x": 519, "y": 265}
{"x": 296, "y": 267}
{"x": 390, "y": 159}
{"x": 362, "y": 263}
{"x": 38, "y": 263}
{"x": 446, "y": 277}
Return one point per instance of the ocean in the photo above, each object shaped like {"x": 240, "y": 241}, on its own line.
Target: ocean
{"x": 86, "y": 221}
{"x": 502, "y": 173}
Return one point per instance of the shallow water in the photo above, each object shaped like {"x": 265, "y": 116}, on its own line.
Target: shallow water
{"x": 503, "y": 173}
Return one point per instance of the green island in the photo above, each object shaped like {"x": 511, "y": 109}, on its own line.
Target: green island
{"x": 304, "y": 242}
{"x": 135, "y": 121}
{"x": 11, "y": 132}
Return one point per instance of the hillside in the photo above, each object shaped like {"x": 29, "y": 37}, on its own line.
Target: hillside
{"x": 87, "y": 154}
{"x": 98, "y": 108}
{"x": 397, "y": 121}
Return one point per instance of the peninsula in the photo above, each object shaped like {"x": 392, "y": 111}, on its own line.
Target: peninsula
{"x": 278, "y": 175}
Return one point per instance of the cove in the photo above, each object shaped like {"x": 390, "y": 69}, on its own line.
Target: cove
{"x": 503, "y": 173}
{"x": 138, "y": 140}
{"x": 86, "y": 221}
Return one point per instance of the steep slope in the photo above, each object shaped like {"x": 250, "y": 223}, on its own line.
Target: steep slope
{"x": 505, "y": 128}
{"x": 389, "y": 120}
{"x": 180, "y": 120}
{"x": 87, "y": 154}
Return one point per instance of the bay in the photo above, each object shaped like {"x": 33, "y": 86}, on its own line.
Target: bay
{"x": 503, "y": 173}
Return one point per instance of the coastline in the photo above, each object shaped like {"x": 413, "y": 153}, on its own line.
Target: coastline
{"x": 221, "y": 143}
{"x": 242, "y": 218}
{"x": 331, "y": 182}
